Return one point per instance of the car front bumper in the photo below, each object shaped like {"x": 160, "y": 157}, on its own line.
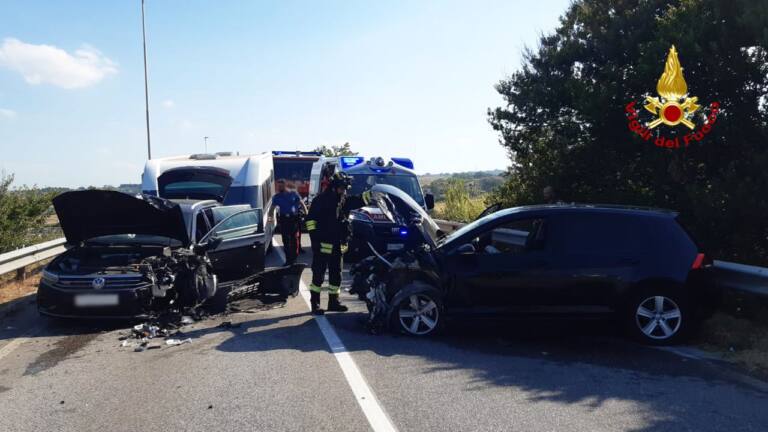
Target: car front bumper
{"x": 63, "y": 303}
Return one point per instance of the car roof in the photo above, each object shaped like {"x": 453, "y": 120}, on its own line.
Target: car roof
{"x": 544, "y": 209}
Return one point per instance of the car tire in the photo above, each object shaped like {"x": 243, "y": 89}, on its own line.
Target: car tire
{"x": 419, "y": 314}
{"x": 659, "y": 316}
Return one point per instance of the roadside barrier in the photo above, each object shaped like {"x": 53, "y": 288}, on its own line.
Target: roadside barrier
{"x": 19, "y": 259}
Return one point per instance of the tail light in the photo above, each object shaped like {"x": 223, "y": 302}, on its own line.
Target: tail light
{"x": 701, "y": 260}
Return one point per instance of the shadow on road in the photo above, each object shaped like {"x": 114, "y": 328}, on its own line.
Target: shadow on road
{"x": 566, "y": 362}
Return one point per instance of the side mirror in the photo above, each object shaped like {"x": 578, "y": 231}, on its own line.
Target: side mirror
{"x": 465, "y": 249}
{"x": 210, "y": 244}
{"x": 429, "y": 199}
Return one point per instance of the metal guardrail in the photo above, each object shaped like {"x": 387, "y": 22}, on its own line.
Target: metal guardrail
{"x": 727, "y": 275}
{"x": 21, "y": 258}
{"x": 741, "y": 277}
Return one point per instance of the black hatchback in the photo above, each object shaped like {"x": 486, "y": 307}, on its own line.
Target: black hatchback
{"x": 639, "y": 264}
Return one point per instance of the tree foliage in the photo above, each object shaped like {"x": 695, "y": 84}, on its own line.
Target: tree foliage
{"x": 476, "y": 183}
{"x": 333, "y": 151}
{"x": 459, "y": 206}
{"x": 564, "y": 123}
{"x": 22, "y": 214}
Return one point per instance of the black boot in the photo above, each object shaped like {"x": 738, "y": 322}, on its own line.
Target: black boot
{"x": 314, "y": 301}
{"x": 334, "y": 304}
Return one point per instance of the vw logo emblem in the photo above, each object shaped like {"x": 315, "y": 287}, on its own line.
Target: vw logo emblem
{"x": 98, "y": 283}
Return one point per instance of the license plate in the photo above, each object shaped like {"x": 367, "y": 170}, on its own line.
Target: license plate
{"x": 394, "y": 246}
{"x": 91, "y": 300}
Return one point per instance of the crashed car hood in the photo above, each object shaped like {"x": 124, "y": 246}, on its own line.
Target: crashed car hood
{"x": 428, "y": 226}
{"x": 92, "y": 213}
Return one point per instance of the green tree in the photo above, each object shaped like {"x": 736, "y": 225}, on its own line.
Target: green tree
{"x": 564, "y": 124}
{"x": 333, "y": 151}
{"x": 22, "y": 213}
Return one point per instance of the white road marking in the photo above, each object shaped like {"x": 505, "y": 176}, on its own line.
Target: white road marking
{"x": 372, "y": 409}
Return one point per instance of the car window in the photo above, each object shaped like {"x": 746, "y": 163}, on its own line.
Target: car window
{"x": 238, "y": 225}
{"x": 603, "y": 233}
{"x": 218, "y": 214}
{"x": 514, "y": 237}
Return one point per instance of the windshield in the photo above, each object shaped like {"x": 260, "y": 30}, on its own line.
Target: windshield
{"x": 406, "y": 183}
{"x": 134, "y": 239}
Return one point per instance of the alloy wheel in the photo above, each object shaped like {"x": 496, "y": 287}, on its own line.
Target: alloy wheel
{"x": 418, "y": 314}
{"x": 658, "y": 317}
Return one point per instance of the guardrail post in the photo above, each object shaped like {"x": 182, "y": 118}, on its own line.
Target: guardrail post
{"x": 21, "y": 274}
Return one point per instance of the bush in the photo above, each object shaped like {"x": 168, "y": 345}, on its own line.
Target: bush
{"x": 458, "y": 205}
{"x": 23, "y": 212}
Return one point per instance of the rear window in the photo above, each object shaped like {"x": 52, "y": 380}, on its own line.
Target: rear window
{"x": 293, "y": 169}
{"x": 193, "y": 189}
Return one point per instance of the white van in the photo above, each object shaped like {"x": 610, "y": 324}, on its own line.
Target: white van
{"x": 225, "y": 177}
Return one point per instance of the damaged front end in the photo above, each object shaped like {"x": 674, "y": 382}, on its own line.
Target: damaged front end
{"x": 398, "y": 275}
{"x": 179, "y": 279}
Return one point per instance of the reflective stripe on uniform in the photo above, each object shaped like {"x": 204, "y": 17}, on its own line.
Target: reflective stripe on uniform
{"x": 333, "y": 289}
{"x": 367, "y": 197}
{"x": 311, "y": 225}
{"x": 315, "y": 288}
{"x": 326, "y": 248}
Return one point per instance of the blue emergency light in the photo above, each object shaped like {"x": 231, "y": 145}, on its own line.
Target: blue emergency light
{"x": 403, "y": 232}
{"x": 404, "y": 162}
{"x": 350, "y": 161}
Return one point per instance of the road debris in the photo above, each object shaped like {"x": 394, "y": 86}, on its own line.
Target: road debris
{"x": 173, "y": 342}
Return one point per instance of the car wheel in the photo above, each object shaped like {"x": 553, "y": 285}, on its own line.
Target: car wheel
{"x": 418, "y": 314}
{"x": 659, "y": 317}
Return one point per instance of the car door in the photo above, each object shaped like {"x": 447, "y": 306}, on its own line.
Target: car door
{"x": 506, "y": 269}
{"x": 240, "y": 249}
{"x": 597, "y": 254}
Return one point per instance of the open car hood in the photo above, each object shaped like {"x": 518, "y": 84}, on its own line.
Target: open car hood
{"x": 404, "y": 208}
{"x": 92, "y": 213}
{"x": 194, "y": 182}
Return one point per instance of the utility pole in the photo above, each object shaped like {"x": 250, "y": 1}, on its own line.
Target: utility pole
{"x": 205, "y": 139}
{"x": 146, "y": 87}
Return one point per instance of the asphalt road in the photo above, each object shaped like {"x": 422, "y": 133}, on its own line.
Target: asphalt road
{"x": 273, "y": 370}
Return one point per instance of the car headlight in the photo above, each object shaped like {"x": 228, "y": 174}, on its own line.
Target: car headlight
{"x": 50, "y": 277}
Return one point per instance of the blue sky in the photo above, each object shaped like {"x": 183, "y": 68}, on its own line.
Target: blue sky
{"x": 410, "y": 79}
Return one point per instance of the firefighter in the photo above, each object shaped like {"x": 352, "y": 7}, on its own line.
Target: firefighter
{"x": 329, "y": 230}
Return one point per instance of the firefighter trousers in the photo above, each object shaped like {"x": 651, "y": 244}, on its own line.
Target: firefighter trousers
{"x": 326, "y": 256}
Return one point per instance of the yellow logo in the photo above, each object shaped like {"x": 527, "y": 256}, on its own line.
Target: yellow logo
{"x": 673, "y": 106}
